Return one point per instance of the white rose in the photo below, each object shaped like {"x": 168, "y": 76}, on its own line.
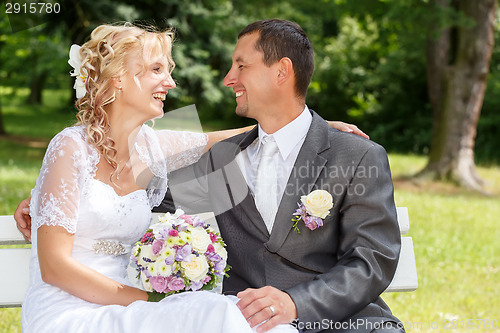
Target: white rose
{"x": 147, "y": 286}
{"x": 146, "y": 252}
{"x": 196, "y": 269}
{"x": 200, "y": 239}
{"x": 318, "y": 203}
{"x": 221, "y": 250}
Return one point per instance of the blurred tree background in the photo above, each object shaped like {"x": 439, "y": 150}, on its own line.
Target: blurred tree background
{"x": 373, "y": 61}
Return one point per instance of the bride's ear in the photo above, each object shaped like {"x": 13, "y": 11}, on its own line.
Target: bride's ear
{"x": 117, "y": 84}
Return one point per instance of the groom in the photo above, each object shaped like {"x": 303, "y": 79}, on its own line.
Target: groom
{"x": 329, "y": 278}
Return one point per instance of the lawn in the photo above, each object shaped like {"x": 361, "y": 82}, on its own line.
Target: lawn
{"x": 455, "y": 232}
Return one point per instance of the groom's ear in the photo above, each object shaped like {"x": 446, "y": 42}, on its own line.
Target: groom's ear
{"x": 285, "y": 70}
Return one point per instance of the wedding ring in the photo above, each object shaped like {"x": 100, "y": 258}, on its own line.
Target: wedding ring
{"x": 273, "y": 311}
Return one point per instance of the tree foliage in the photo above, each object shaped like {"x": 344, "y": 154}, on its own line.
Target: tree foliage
{"x": 369, "y": 56}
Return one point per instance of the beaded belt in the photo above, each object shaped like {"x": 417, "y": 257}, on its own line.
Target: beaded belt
{"x": 109, "y": 247}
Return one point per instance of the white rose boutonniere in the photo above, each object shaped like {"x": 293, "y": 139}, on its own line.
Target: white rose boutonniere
{"x": 313, "y": 208}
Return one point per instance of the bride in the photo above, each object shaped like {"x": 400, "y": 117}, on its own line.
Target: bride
{"x": 94, "y": 184}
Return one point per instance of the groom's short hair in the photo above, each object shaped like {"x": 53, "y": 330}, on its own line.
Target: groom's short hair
{"x": 281, "y": 38}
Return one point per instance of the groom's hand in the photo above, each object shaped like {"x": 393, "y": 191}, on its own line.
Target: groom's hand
{"x": 266, "y": 305}
{"x": 23, "y": 219}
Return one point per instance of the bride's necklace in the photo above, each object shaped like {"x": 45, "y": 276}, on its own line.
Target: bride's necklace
{"x": 123, "y": 167}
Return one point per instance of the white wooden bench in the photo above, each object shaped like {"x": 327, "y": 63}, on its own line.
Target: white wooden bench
{"x": 15, "y": 262}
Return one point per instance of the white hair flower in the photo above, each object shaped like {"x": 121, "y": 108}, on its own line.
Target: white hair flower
{"x": 75, "y": 60}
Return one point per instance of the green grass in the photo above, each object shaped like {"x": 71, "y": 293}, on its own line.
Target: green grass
{"x": 455, "y": 235}
{"x": 455, "y": 232}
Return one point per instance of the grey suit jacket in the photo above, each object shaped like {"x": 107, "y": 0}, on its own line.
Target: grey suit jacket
{"x": 334, "y": 273}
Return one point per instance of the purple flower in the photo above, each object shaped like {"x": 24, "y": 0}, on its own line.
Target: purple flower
{"x": 162, "y": 234}
{"x": 197, "y": 222}
{"x": 182, "y": 227}
{"x": 159, "y": 283}
{"x": 170, "y": 260}
{"x": 184, "y": 253}
{"x": 195, "y": 285}
{"x": 213, "y": 257}
{"x": 313, "y": 222}
{"x": 220, "y": 266}
{"x": 157, "y": 247}
{"x": 176, "y": 284}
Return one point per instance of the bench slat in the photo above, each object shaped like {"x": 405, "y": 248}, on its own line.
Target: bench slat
{"x": 9, "y": 235}
{"x": 403, "y": 220}
{"x": 14, "y": 279}
{"x": 405, "y": 278}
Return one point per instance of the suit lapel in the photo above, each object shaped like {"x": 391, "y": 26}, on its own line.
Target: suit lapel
{"x": 303, "y": 177}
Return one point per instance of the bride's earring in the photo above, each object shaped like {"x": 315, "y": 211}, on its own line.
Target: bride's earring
{"x": 119, "y": 90}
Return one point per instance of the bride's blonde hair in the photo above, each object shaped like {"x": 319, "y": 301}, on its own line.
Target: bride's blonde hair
{"x": 104, "y": 57}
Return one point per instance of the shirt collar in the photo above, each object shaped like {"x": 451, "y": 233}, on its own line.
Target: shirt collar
{"x": 290, "y": 135}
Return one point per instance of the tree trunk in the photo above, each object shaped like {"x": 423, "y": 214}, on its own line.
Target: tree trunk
{"x": 36, "y": 87}
{"x": 456, "y": 75}
{"x": 2, "y": 127}
{"x": 38, "y": 79}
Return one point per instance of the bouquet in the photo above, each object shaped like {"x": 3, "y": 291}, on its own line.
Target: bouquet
{"x": 179, "y": 253}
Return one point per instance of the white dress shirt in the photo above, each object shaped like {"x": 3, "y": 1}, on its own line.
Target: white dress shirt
{"x": 289, "y": 140}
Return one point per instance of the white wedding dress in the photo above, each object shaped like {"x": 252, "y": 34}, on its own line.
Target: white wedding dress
{"x": 68, "y": 195}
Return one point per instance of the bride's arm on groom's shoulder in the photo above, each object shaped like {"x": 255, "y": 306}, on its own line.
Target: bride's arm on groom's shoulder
{"x": 345, "y": 127}
{"x": 216, "y": 136}
{"x": 59, "y": 268}
{"x": 55, "y": 211}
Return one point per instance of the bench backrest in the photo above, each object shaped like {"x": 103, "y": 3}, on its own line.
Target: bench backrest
{"x": 15, "y": 261}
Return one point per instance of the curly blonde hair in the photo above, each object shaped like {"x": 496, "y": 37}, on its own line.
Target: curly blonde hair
{"x": 104, "y": 57}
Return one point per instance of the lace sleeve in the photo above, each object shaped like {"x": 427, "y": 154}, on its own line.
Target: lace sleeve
{"x": 181, "y": 148}
{"x": 163, "y": 151}
{"x": 55, "y": 198}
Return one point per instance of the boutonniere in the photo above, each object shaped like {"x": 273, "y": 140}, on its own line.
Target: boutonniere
{"x": 313, "y": 208}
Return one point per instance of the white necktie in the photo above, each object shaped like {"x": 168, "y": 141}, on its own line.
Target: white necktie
{"x": 266, "y": 184}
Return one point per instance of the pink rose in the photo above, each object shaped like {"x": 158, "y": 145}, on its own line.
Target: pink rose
{"x": 173, "y": 233}
{"x": 157, "y": 247}
{"x": 159, "y": 283}
{"x": 187, "y": 219}
{"x": 176, "y": 284}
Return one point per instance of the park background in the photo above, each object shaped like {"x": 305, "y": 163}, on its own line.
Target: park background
{"x": 421, "y": 77}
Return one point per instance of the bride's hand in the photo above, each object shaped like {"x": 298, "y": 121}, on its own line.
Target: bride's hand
{"x": 345, "y": 127}
{"x": 23, "y": 218}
